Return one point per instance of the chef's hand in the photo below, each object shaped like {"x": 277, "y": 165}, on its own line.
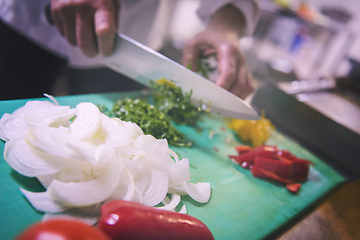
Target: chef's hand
{"x": 221, "y": 37}
{"x": 88, "y": 24}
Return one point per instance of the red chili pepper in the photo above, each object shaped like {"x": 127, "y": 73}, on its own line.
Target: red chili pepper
{"x": 283, "y": 171}
{"x": 130, "y": 220}
{"x": 273, "y": 169}
{"x": 271, "y": 163}
{"x": 293, "y": 187}
{"x": 286, "y": 154}
{"x": 243, "y": 149}
{"x": 261, "y": 151}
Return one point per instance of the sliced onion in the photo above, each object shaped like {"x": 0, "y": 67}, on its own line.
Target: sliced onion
{"x": 158, "y": 188}
{"x": 52, "y": 99}
{"x": 14, "y": 163}
{"x": 92, "y": 159}
{"x": 200, "y": 192}
{"x": 46, "y": 113}
{"x": 87, "y": 193}
{"x": 175, "y": 200}
{"x": 45, "y": 180}
{"x": 129, "y": 180}
{"x": 114, "y": 126}
{"x": 178, "y": 172}
{"x": 33, "y": 164}
{"x": 13, "y": 126}
{"x": 140, "y": 174}
{"x": 183, "y": 209}
{"x": 87, "y": 122}
{"x": 134, "y": 128}
{"x": 53, "y": 141}
{"x": 42, "y": 202}
{"x": 177, "y": 188}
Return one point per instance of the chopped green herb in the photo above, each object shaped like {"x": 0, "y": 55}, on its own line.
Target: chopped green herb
{"x": 170, "y": 105}
{"x": 170, "y": 100}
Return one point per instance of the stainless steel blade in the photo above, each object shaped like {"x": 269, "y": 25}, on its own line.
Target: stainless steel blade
{"x": 143, "y": 64}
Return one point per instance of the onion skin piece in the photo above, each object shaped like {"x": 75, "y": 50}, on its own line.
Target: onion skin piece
{"x": 130, "y": 220}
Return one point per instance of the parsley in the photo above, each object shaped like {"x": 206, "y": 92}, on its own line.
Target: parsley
{"x": 171, "y": 105}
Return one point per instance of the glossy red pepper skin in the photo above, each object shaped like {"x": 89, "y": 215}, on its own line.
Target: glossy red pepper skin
{"x": 293, "y": 187}
{"x": 62, "y": 229}
{"x": 272, "y": 169}
{"x": 286, "y": 172}
{"x": 261, "y": 151}
{"x": 129, "y": 220}
{"x": 271, "y": 163}
{"x": 243, "y": 149}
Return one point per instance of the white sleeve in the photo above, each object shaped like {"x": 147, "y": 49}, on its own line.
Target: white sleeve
{"x": 249, "y": 8}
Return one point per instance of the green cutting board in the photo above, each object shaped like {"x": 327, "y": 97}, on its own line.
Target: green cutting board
{"x": 241, "y": 206}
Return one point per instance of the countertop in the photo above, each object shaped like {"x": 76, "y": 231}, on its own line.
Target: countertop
{"x": 337, "y": 216}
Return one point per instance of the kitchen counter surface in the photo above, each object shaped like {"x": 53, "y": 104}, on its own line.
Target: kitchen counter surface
{"x": 337, "y": 216}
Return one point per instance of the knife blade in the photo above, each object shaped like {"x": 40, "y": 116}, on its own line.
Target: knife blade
{"x": 143, "y": 64}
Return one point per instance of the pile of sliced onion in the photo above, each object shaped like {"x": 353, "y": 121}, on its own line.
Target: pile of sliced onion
{"x": 84, "y": 158}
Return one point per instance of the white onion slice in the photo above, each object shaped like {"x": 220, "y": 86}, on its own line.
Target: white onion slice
{"x": 175, "y": 200}
{"x": 183, "y": 210}
{"x": 87, "y": 122}
{"x": 53, "y": 141}
{"x": 12, "y": 126}
{"x": 134, "y": 128}
{"x": 33, "y": 164}
{"x": 177, "y": 188}
{"x": 46, "y": 113}
{"x": 87, "y": 193}
{"x": 200, "y": 192}
{"x": 178, "y": 172}
{"x": 42, "y": 202}
{"x": 129, "y": 180}
{"x": 45, "y": 180}
{"x": 14, "y": 163}
{"x": 157, "y": 190}
{"x": 114, "y": 126}
{"x": 52, "y": 99}
{"x": 140, "y": 175}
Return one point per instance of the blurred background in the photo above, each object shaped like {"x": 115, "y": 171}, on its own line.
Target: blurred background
{"x": 308, "y": 52}
{"x": 305, "y": 59}
{"x": 307, "y": 49}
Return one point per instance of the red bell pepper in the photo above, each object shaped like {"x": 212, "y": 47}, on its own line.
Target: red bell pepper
{"x": 293, "y": 187}
{"x": 286, "y": 172}
{"x": 249, "y": 156}
{"x": 243, "y": 149}
{"x": 271, "y": 163}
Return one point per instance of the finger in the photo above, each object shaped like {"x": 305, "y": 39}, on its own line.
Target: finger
{"x": 191, "y": 53}
{"x": 117, "y": 7}
{"x": 68, "y": 16}
{"x": 85, "y": 34}
{"x": 243, "y": 85}
{"x": 58, "y": 22}
{"x": 227, "y": 66}
{"x": 105, "y": 29}
{"x": 208, "y": 52}
{"x": 249, "y": 86}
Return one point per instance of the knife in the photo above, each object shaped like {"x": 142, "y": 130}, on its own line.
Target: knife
{"x": 143, "y": 64}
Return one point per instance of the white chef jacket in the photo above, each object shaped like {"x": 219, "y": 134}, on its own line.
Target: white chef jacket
{"x": 142, "y": 20}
